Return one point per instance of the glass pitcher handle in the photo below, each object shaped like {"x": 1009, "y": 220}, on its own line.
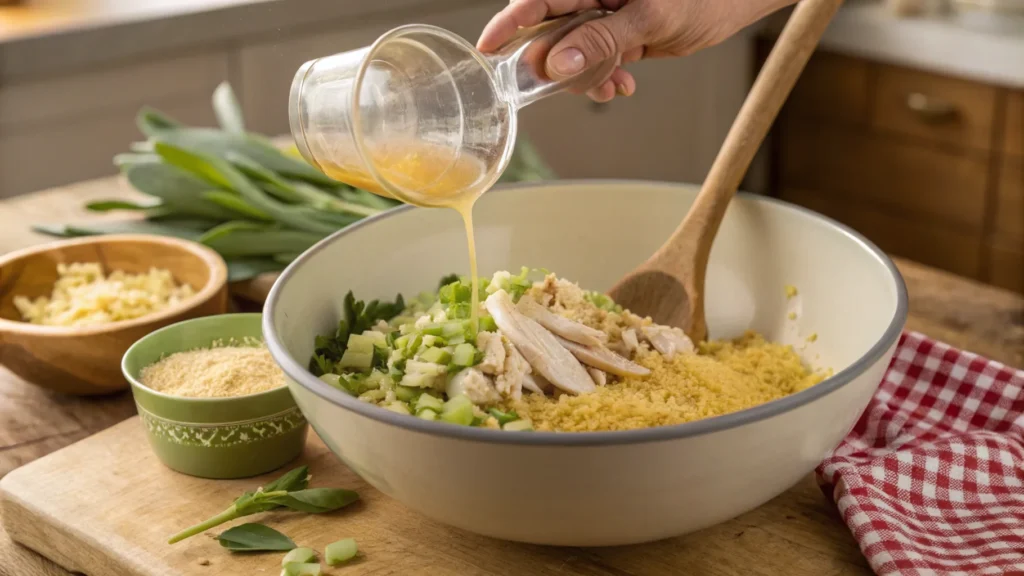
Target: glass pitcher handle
{"x": 519, "y": 63}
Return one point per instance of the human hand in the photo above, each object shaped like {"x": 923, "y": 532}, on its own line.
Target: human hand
{"x": 637, "y": 29}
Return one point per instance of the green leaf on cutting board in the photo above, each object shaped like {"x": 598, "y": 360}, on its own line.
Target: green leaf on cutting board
{"x": 126, "y": 159}
{"x": 189, "y": 162}
{"x": 285, "y": 258}
{"x": 254, "y": 537}
{"x": 228, "y": 111}
{"x": 264, "y": 178}
{"x": 59, "y": 230}
{"x": 316, "y": 500}
{"x": 239, "y": 238}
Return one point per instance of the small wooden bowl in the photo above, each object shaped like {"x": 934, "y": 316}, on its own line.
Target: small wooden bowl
{"x": 87, "y": 360}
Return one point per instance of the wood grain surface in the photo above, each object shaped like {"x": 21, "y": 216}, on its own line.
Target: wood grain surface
{"x": 797, "y": 534}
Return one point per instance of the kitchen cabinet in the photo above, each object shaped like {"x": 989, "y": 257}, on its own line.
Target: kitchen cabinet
{"x": 927, "y": 166}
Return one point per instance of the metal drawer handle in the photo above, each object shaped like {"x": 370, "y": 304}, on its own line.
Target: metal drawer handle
{"x": 932, "y": 110}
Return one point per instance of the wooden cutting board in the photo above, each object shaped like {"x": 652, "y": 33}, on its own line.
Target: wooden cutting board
{"x": 106, "y": 506}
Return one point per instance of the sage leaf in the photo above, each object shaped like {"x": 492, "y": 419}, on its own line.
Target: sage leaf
{"x": 236, "y": 240}
{"x": 177, "y": 188}
{"x": 254, "y": 537}
{"x": 240, "y": 269}
{"x": 316, "y": 500}
{"x": 59, "y": 230}
{"x": 228, "y": 111}
{"x": 297, "y": 479}
{"x": 231, "y": 201}
{"x": 151, "y": 121}
{"x": 124, "y": 160}
{"x": 110, "y": 205}
{"x": 133, "y": 227}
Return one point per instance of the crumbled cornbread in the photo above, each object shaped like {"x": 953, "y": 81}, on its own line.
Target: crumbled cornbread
{"x": 232, "y": 369}
{"x": 791, "y": 291}
{"x": 724, "y": 377}
{"x": 83, "y": 295}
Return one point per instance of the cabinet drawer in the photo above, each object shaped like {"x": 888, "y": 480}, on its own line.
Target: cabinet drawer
{"x": 59, "y": 153}
{"x": 1014, "y": 142}
{"x": 936, "y": 108}
{"x": 70, "y": 99}
{"x": 832, "y": 88}
{"x": 946, "y": 247}
{"x": 1006, "y": 265}
{"x": 268, "y": 68}
{"x": 922, "y": 181}
{"x": 1009, "y": 224}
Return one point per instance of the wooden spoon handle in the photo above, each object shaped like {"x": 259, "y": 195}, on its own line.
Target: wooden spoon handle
{"x": 773, "y": 85}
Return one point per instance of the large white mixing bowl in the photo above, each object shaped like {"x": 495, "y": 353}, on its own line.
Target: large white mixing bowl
{"x": 608, "y": 488}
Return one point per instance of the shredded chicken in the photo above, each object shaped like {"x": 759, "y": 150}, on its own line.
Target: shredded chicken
{"x": 604, "y": 359}
{"x": 537, "y": 384}
{"x": 598, "y": 376}
{"x": 475, "y": 385}
{"x": 667, "y": 341}
{"x": 494, "y": 352}
{"x": 561, "y": 326}
{"x": 540, "y": 348}
{"x": 630, "y": 341}
{"x": 515, "y": 370}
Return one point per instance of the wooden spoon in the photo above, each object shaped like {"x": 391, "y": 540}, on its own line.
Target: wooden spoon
{"x": 669, "y": 286}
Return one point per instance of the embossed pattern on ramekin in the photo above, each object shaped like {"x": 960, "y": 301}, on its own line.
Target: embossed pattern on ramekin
{"x": 224, "y": 434}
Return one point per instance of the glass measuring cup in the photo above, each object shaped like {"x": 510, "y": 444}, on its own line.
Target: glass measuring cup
{"x": 421, "y": 115}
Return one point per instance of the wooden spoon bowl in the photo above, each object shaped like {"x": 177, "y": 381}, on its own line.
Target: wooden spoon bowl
{"x": 87, "y": 360}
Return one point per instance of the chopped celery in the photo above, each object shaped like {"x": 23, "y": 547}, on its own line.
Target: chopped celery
{"x": 464, "y": 355}
{"x": 401, "y": 342}
{"x": 487, "y": 324}
{"x": 332, "y": 379}
{"x": 373, "y": 395}
{"x": 503, "y": 417}
{"x": 407, "y": 394}
{"x": 427, "y": 414}
{"x": 301, "y": 569}
{"x": 428, "y": 402}
{"x": 518, "y": 426}
{"x": 340, "y": 551}
{"x": 379, "y": 339}
{"x": 299, "y": 555}
{"x": 431, "y": 341}
{"x": 458, "y": 410}
{"x": 418, "y": 380}
{"x": 360, "y": 343}
{"x": 400, "y": 407}
{"x": 434, "y": 329}
{"x": 355, "y": 359}
{"x": 455, "y": 340}
{"x": 414, "y": 343}
{"x": 436, "y": 355}
{"x": 454, "y": 328}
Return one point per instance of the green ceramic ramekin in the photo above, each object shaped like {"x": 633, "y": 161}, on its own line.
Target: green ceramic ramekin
{"x": 233, "y": 437}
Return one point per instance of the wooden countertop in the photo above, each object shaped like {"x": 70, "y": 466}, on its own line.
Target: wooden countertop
{"x": 796, "y": 534}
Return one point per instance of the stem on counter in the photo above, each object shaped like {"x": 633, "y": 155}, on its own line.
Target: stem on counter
{"x": 225, "y": 516}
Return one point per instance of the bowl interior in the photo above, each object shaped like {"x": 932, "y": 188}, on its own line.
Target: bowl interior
{"x": 34, "y": 274}
{"x": 595, "y": 232}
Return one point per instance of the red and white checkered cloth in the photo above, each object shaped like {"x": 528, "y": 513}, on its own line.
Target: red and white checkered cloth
{"x": 931, "y": 480}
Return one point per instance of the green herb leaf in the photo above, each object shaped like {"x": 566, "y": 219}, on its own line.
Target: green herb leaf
{"x": 254, "y": 537}
{"x": 235, "y": 203}
{"x": 110, "y": 205}
{"x": 228, "y": 111}
{"x": 316, "y": 500}
{"x": 150, "y": 121}
{"x": 297, "y": 479}
{"x": 240, "y": 269}
{"x": 176, "y": 188}
{"x": 503, "y": 417}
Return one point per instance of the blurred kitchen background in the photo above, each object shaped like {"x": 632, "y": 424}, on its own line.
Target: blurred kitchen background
{"x": 908, "y": 124}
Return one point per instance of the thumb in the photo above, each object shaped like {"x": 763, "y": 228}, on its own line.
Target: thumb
{"x": 593, "y": 42}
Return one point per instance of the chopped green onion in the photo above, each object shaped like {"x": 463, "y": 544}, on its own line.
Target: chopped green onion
{"x": 407, "y": 394}
{"x": 299, "y": 555}
{"x": 399, "y": 407}
{"x": 436, "y": 355}
{"x": 458, "y": 410}
{"x": 464, "y": 355}
{"x": 340, "y": 551}
{"x": 301, "y": 569}
{"x": 518, "y": 426}
{"x": 428, "y": 402}
{"x": 503, "y": 417}
{"x": 487, "y": 324}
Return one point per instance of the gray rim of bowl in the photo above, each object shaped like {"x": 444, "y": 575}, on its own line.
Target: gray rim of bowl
{"x": 304, "y": 378}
